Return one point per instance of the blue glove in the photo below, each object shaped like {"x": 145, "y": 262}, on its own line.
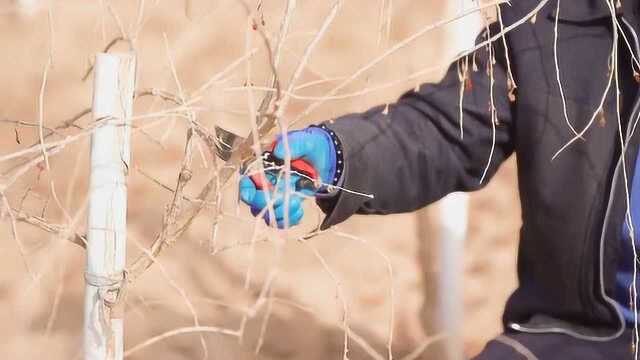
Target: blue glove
{"x": 316, "y": 147}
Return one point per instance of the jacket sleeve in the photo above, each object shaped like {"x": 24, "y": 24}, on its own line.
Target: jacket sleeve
{"x": 414, "y": 154}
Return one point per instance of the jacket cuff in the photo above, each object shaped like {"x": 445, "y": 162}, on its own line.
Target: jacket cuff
{"x": 330, "y": 188}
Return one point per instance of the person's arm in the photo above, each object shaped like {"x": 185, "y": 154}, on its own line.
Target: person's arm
{"x": 415, "y": 155}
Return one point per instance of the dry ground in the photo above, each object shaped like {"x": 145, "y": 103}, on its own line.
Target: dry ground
{"x": 42, "y": 318}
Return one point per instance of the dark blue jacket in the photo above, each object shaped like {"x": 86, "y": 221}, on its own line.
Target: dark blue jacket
{"x": 572, "y": 206}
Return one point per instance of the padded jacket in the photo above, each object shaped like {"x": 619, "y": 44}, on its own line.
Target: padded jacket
{"x": 573, "y": 206}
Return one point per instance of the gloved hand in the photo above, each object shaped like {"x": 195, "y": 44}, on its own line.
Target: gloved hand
{"x": 313, "y": 145}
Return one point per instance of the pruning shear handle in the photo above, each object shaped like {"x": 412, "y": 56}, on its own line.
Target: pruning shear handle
{"x": 308, "y": 178}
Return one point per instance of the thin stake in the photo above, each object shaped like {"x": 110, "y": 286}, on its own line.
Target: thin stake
{"x": 110, "y": 158}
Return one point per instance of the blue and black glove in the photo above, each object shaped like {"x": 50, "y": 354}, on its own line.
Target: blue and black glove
{"x": 314, "y": 158}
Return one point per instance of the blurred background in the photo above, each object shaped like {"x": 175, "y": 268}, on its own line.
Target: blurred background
{"x": 41, "y": 308}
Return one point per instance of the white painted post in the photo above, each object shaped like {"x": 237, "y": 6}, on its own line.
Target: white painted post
{"x": 453, "y": 217}
{"x": 105, "y": 277}
{"x": 28, "y": 7}
{"x": 453, "y": 232}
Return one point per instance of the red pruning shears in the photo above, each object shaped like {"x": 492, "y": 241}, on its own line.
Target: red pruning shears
{"x": 308, "y": 175}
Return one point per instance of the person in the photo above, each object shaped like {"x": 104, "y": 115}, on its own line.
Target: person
{"x": 576, "y": 147}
